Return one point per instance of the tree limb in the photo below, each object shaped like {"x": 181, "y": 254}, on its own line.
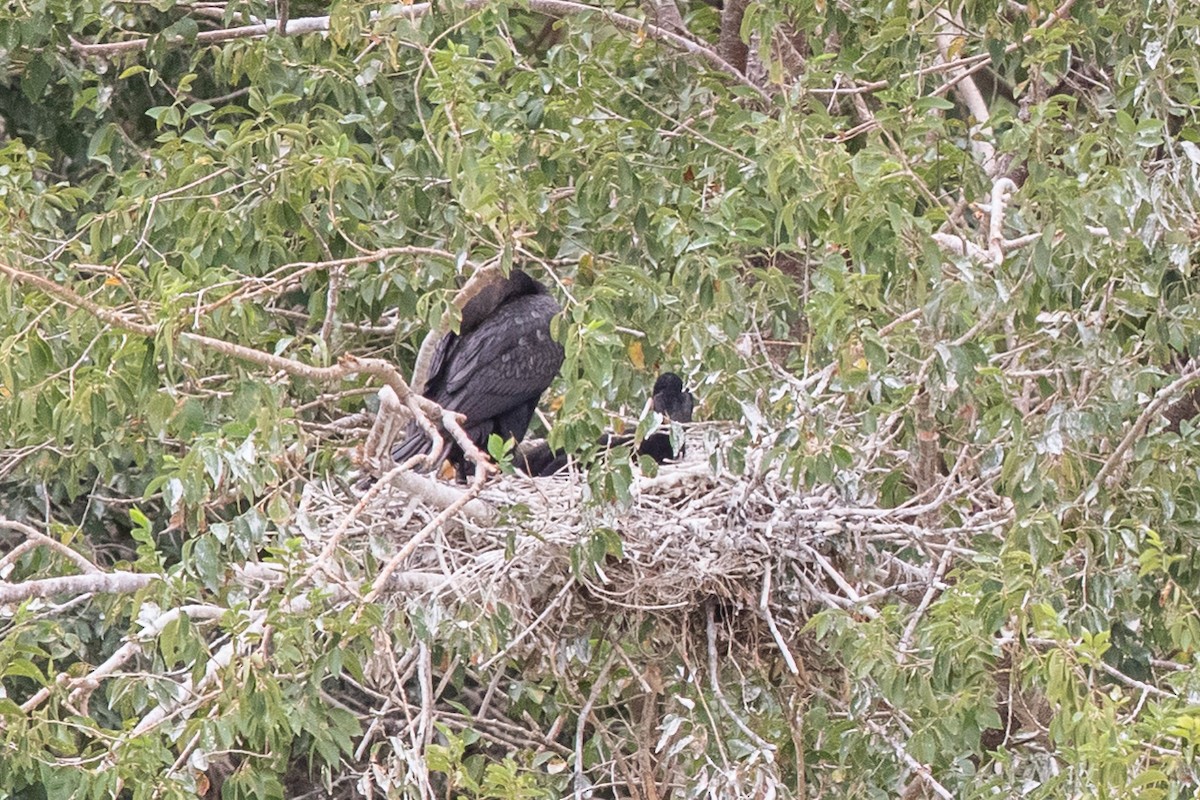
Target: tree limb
{"x": 733, "y": 50}
{"x": 35, "y": 538}
{"x": 104, "y": 583}
{"x": 981, "y": 134}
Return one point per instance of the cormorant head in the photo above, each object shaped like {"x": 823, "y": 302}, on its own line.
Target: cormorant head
{"x": 521, "y": 284}
{"x": 671, "y": 400}
{"x": 490, "y": 291}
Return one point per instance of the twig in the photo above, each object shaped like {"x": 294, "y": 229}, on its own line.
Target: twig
{"x": 281, "y": 11}
{"x": 425, "y": 722}
{"x": 935, "y": 587}
{"x": 922, "y": 770}
{"x": 848, "y": 590}
{"x": 764, "y": 605}
{"x": 1138, "y": 429}
{"x": 262, "y": 29}
{"x": 481, "y": 470}
{"x": 321, "y": 24}
{"x": 286, "y": 275}
{"x": 136, "y": 645}
{"x": 551, "y": 606}
{"x": 715, "y": 684}
{"x": 585, "y": 712}
{"x": 1133, "y": 682}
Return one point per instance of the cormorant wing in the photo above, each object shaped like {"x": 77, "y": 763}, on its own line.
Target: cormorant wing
{"x": 507, "y": 361}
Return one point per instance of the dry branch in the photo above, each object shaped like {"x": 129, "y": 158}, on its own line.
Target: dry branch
{"x": 997, "y": 247}
{"x": 103, "y": 583}
{"x": 35, "y": 538}
{"x": 949, "y": 30}
{"x": 922, "y": 770}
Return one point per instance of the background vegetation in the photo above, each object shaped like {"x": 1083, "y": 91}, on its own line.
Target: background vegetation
{"x": 935, "y": 261}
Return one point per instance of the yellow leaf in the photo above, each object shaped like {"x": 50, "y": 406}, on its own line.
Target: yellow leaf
{"x": 636, "y": 355}
{"x": 112, "y": 280}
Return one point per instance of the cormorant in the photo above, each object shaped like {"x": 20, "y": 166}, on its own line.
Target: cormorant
{"x": 494, "y": 370}
{"x": 670, "y": 399}
{"x": 673, "y": 402}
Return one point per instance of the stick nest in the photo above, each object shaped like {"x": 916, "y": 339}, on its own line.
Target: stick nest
{"x": 653, "y": 623}
{"x": 695, "y": 533}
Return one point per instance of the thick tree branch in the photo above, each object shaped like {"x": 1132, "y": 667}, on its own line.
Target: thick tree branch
{"x": 102, "y": 583}
{"x": 666, "y": 15}
{"x": 997, "y": 245}
{"x": 730, "y": 45}
{"x": 292, "y": 28}
{"x": 981, "y": 133}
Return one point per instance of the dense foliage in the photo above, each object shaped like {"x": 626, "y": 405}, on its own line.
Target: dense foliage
{"x": 933, "y": 258}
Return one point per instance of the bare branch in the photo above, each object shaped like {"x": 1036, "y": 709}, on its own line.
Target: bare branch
{"x": 925, "y": 773}
{"x": 1002, "y": 192}
{"x": 385, "y": 574}
{"x": 553, "y": 605}
{"x": 103, "y": 583}
{"x": 384, "y": 371}
{"x": 714, "y": 683}
{"x": 77, "y": 301}
{"x": 638, "y": 26}
{"x": 997, "y": 245}
{"x": 982, "y": 135}
{"x": 764, "y": 607}
{"x": 36, "y": 538}
{"x": 292, "y": 28}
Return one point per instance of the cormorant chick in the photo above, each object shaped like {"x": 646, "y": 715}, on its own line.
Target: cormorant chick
{"x": 670, "y": 399}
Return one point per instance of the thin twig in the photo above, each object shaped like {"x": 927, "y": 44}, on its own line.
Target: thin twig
{"x": 925, "y": 773}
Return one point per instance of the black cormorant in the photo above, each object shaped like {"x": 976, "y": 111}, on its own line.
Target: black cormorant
{"x": 494, "y": 370}
{"x": 670, "y": 399}
{"x": 674, "y": 403}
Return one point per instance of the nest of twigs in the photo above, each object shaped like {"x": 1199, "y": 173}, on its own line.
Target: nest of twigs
{"x": 693, "y": 534}
{"x": 725, "y": 566}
